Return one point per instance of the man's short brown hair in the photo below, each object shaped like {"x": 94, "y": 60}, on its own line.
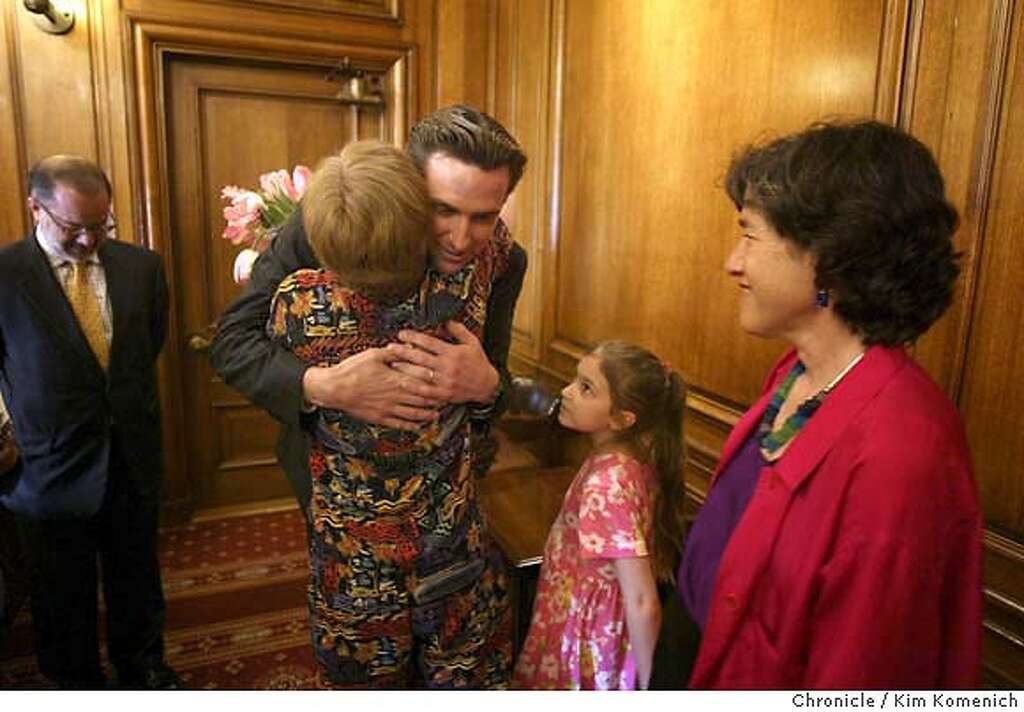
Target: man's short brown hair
{"x": 469, "y": 135}
{"x": 367, "y": 216}
{"x": 76, "y": 172}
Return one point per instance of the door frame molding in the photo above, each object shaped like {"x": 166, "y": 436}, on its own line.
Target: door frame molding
{"x": 147, "y": 48}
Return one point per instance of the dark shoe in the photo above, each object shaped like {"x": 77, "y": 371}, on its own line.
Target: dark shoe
{"x": 158, "y": 677}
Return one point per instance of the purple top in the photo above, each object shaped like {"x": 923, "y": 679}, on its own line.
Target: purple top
{"x": 726, "y": 503}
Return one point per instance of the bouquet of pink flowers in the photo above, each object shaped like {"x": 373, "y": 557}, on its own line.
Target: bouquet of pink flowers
{"x": 254, "y": 217}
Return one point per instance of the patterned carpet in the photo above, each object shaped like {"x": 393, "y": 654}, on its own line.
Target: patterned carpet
{"x": 236, "y": 611}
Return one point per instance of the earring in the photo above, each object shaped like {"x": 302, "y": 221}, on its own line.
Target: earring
{"x": 821, "y": 299}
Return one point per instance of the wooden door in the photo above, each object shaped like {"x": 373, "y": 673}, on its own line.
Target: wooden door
{"x": 228, "y": 122}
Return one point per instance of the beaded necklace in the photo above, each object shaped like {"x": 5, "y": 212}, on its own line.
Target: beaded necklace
{"x": 772, "y": 442}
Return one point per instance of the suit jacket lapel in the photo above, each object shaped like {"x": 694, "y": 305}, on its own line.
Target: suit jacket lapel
{"x": 819, "y": 435}
{"x": 841, "y": 407}
{"x": 43, "y": 292}
{"x": 752, "y": 418}
{"x": 119, "y": 293}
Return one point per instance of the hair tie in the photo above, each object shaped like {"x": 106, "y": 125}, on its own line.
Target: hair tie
{"x": 667, "y": 367}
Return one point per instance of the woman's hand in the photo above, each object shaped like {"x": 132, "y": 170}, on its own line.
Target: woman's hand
{"x": 643, "y": 612}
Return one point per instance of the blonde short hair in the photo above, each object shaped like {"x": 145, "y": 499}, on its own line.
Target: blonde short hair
{"x": 367, "y": 216}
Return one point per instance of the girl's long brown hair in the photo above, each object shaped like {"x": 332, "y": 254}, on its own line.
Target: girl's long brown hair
{"x": 640, "y": 383}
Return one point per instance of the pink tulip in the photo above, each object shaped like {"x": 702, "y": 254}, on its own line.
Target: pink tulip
{"x": 243, "y": 265}
{"x": 276, "y": 182}
{"x": 253, "y": 218}
{"x": 236, "y": 235}
{"x": 243, "y": 215}
{"x": 241, "y": 196}
{"x": 301, "y": 177}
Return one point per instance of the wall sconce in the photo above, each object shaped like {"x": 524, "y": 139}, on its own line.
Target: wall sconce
{"x": 51, "y": 16}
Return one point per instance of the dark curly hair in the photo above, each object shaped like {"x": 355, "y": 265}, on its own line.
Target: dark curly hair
{"x": 469, "y": 135}
{"x": 867, "y": 200}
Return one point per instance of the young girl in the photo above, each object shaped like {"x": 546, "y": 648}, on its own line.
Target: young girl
{"x": 597, "y": 614}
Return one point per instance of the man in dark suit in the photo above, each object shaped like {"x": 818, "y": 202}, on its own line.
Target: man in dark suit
{"x": 12, "y": 591}
{"x": 82, "y": 320}
{"x": 471, "y": 164}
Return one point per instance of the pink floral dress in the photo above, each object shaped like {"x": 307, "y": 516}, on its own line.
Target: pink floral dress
{"x": 578, "y": 637}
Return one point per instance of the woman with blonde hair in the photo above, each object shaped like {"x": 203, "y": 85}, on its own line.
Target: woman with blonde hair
{"x": 404, "y": 581}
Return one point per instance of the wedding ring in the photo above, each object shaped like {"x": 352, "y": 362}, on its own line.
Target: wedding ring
{"x": 431, "y": 375}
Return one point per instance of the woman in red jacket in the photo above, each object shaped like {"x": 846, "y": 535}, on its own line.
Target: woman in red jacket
{"x": 840, "y": 543}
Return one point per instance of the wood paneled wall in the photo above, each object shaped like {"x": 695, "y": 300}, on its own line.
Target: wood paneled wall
{"x": 86, "y": 92}
{"x": 630, "y": 113}
{"x": 107, "y": 91}
{"x": 41, "y": 104}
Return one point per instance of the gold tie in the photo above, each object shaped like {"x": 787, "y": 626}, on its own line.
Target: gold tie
{"x": 87, "y": 311}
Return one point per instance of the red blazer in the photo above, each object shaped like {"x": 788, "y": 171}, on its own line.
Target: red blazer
{"x": 857, "y": 563}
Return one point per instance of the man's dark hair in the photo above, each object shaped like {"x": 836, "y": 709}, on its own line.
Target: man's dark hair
{"x": 76, "y": 172}
{"x": 469, "y": 135}
{"x": 867, "y": 200}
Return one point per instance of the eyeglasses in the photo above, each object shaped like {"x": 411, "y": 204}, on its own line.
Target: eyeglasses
{"x": 71, "y": 230}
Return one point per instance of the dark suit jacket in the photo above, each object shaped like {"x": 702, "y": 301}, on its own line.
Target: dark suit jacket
{"x": 68, "y": 414}
{"x": 271, "y": 377}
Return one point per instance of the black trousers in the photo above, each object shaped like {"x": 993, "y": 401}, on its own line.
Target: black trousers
{"x": 63, "y": 555}
{"x": 678, "y": 643}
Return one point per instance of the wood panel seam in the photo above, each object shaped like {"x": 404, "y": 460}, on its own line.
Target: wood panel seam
{"x": 911, "y": 65}
{"x": 17, "y": 100}
{"x": 891, "y": 60}
{"x": 552, "y": 257}
{"x": 392, "y": 14}
{"x": 979, "y": 196}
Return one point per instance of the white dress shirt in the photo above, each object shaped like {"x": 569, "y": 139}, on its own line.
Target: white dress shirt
{"x": 62, "y": 269}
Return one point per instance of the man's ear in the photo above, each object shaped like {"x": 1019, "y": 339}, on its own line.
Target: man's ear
{"x": 623, "y": 420}
{"x": 33, "y": 208}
